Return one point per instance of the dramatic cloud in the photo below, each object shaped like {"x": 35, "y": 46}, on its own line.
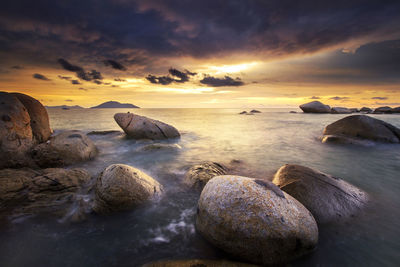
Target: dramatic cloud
{"x": 64, "y": 77}
{"x": 69, "y": 100}
{"x": 165, "y": 80}
{"x": 217, "y": 82}
{"x": 75, "y": 82}
{"x": 40, "y": 77}
{"x": 339, "y": 98}
{"x": 379, "y": 98}
{"x": 83, "y": 89}
{"x": 315, "y": 97}
{"x": 68, "y": 66}
{"x": 114, "y": 64}
{"x": 119, "y": 80}
{"x": 17, "y": 67}
{"x": 93, "y": 75}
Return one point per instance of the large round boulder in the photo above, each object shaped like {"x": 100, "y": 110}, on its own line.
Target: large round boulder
{"x": 315, "y": 107}
{"x": 121, "y": 187}
{"x": 63, "y": 149}
{"x": 27, "y": 191}
{"x": 198, "y": 175}
{"x": 254, "y": 220}
{"x": 328, "y": 198}
{"x": 39, "y": 118}
{"x": 15, "y": 131}
{"x": 385, "y": 109}
{"x": 356, "y": 128}
{"x": 140, "y": 127}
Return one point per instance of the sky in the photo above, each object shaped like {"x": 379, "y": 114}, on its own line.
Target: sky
{"x": 202, "y": 54}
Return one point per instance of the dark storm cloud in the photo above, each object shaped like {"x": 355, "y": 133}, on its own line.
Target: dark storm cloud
{"x": 92, "y": 75}
{"x": 40, "y": 77}
{"x": 343, "y": 98}
{"x": 119, "y": 80}
{"x": 315, "y": 97}
{"x": 114, "y": 64}
{"x": 379, "y": 98}
{"x": 217, "y": 82}
{"x": 69, "y": 100}
{"x": 75, "y": 82}
{"x": 181, "y": 76}
{"x": 68, "y": 66}
{"x": 64, "y": 77}
{"x": 146, "y": 31}
{"x": 17, "y": 67}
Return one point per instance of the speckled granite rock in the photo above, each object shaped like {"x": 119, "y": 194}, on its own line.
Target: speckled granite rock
{"x": 198, "y": 175}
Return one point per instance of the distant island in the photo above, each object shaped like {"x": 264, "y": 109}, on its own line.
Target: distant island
{"x": 115, "y": 104}
{"x": 65, "y": 107}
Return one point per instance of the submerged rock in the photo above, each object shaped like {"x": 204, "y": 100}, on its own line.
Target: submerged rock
{"x": 386, "y": 109}
{"x": 243, "y": 112}
{"x": 16, "y": 137}
{"x": 197, "y": 263}
{"x": 254, "y": 220}
{"x": 140, "y": 127}
{"x": 198, "y": 175}
{"x": 121, "y": 187}
{"x": 292, "y": 111}
{"x": 356, "y": 128}
{"x": 39, "y": 118}
{"x": 155, "y": 147}
{"x": 63, "y": 149}
{"x": 255, "y": 111}
{"x": 315, "y": 107}
{"x": 27, "y": 191}
{"x": 340, "y": 110}
{"x": 328, "y": 198}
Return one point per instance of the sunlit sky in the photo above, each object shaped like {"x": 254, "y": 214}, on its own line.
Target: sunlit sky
{"x": 215, "y": 54}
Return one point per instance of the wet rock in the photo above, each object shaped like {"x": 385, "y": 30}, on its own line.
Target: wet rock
{"x": 254, "y": 220}
{"x": 315, "y": 107}
{"x": 16, "y": 137}
{"x": 197, "y": 263}
{"x": 366, "y": 110}
{"x": 328, "y": 198}
{"x": 340, "y": 110}
{"x": 140, "y": 127}
{"x": 39, "y": 118}
{"x": 255, "y": 111}
{"x": 356, "y": 128}
{"x": 354, "y": 110}
{"x": 64, "y": 149}
{"x": 27, "y": 191}
{"x": 121, "y": 187}
{"x": 381, "y": 110}
{"x": 156, "y": 147}
{"x": 198, "y": 175}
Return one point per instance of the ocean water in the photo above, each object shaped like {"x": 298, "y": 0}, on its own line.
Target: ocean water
{"x": 165, "y": 230}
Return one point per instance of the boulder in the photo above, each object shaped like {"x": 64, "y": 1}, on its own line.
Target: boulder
{"x": 386, "y": 109}
{"x": 243, "y": 113}
{"x": 292, "y": 111}
{"x": 16, "y": 137}
{"x": 328, "y": 198}
{"x": 198, "y": 175}
{"x": 254, "y": 220}
{"x": 121, "y": 187}
{"x": 354, "y": 110}
{"x": 396, "y": 110}
{"x": 158, "y": 146}
{"x": 39, "y": 118}
{"x": 140, "y": 127}
{"x": 63, "y": 149}
{"x": 366, "y": 110}
{"x": 315, "y": 107}
{"x": 255, "y": 111}
{"x": 27, "y": 191}
{"x": 340, "y": 110}
{"x": 197, "y": 263}
{"x": 357, "y": 128}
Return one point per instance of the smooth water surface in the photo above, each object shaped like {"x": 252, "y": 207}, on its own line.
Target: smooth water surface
{"x": 165, "y": 230}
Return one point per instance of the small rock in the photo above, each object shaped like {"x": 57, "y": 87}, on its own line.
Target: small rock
{"x": 198, "y": 175}
{"x": 121, "y": 187}
{"x": 340, "y": 110}
{"x": 328, "y": 198}
{"x": 254, "y": 220}
{"x": 354, "y": 110}
{"x": 140, "y": 127}
{"x": 255, "y": 111}
{"x": 366, "y": 110}
{"x": 292, "y": 111}
{"x": 315, "y": 107}
{"x": 243, "y": 112}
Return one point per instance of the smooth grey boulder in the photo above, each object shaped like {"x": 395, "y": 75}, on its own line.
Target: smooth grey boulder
{"x": 254, "y": 220}
{"x": 198, "y": 175}
{"x": 328, "y": 198}
{"x": 39, "y": 118}
{"x": 340, "y": 110}
{"x": 27, "y": 191}
{"x": 315, "y": 107}
{"x": 16, "y": 137}
{"x": 357, "y": 128}
{"x": 63, "y": 149}
{"x": 386, "y": 110}
{"x": 140, "y": 127}
{"x": 121, "y": 187}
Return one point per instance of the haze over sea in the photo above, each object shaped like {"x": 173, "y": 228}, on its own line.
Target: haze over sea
{"x": 263, "y": 142}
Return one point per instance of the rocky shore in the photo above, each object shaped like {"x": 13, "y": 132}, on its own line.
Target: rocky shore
{"x": 258, "y": 221}
{"x": 318, "y": 107}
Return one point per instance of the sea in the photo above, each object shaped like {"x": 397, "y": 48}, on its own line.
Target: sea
{"x": 165, "y": 229}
